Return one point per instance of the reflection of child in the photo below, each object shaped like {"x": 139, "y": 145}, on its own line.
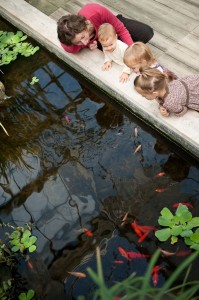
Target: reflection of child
{"x": 113, "y": 49}
{"x": 139, "y": 55}
{"x": 174, "y": 96}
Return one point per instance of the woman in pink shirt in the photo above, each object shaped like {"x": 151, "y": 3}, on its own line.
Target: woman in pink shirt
{"x": 76, "y": 32}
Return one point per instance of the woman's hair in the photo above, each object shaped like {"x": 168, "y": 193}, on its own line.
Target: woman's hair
{"x": 139, "y": 52}
{"x": 70, "y": 25}
{"x": 151, "y": 80}
{"x": 105, "y": 31}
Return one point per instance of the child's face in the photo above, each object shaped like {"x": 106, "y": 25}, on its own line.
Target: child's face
{"x": 135, "y": 65}
{"x": 110, "y": 44}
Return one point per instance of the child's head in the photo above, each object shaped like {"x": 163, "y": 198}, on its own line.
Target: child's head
{"x": 152, "y": 83}
{"x": 138, "y": 56}
{"x": 107, "y": 37}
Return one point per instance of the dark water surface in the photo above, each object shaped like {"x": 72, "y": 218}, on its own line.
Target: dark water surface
{"x": 66, "y": 176}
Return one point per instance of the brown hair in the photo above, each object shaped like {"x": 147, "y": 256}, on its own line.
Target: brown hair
{"x": 152, "y": 80}
{"x": 105, "y": 31}
{"x": 70, "y": 25}
{"x": 139, "y": 52}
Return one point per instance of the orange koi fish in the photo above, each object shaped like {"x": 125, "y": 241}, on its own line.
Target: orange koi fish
{"x": 155, "y": 274}
{"x": 175, "y": 205}
{"x": 135, "y": 132}
{"x": 159, "y": 174}
{"x": 77, "y": 274}
{"x": 124, "y": 219}
{"x": 160, "y": 190}
{"x": 167, "y": 253}
{"x": 135, "y": 255}
{"x": 88, "y": 232}
{"x": 123, "y": 252}
{"x": 30, "y": 264}
{"x": 143, "y": 237}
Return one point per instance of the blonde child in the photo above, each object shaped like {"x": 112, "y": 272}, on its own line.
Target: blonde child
{"x": 113, "y": 50}
{"x": 139, "y": 55}
{"x": 174, "y": 96}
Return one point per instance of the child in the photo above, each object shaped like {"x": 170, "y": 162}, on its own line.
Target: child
{"x": 139, "y": 56}
{"x": 174, "y": 96}
{"x": 113, "y": 50}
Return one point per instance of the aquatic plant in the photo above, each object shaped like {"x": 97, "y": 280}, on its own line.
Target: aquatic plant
{"x": 12, "y": 44}
{"x": 139, "y": 288}
{"x": 34, "y": 80}
{"x": 180, "y": 224}
{"x": 21, "y": 239}
{"x": 27, "y": 296}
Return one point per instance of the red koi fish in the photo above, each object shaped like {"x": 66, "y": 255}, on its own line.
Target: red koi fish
{"x": 175, "y": 205}
{"x": 135, "y": 255}
{"x": 67, "y": 119}
{"x": 143, "y": 237}
{"x": 118, "y": 262}
{"x": 136, "y": 228}
{"x": 160, "y": 190}
{"x": 123, "y": 252}
{"x": 88, "y": 232}
{"x": 183, "y": 253}
{"x": 159, "y": 174}
{"x": 30, "y": 264}
{"x": 155, "y": 274}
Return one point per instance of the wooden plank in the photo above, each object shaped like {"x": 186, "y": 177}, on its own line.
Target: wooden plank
{"x": 183, "y": 6}
{"x": 196, "y": 31}
{"x": 43, "y": 5}
{"x": 58, "y": 14}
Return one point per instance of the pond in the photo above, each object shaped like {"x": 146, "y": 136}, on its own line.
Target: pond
{"x": 74, "y": 160}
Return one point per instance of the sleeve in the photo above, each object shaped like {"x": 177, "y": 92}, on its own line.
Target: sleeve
{"x": 107, "y": 57}
{"x": 182, "y": 112}
{"x": 126, "y": 70}
{"x": 72, "y": 49}
{"x": 108, "y": 17}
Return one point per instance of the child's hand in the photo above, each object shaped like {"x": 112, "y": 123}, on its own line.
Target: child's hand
{"x": 93, "y": 45}
{"x": 106, "y": 66}
{"x": 164, "y": 112}
{"x": 124, "y": 77}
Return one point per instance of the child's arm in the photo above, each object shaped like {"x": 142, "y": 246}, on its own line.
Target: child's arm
{"x": 124, "y": 77}
{"x": 164, "y": 112}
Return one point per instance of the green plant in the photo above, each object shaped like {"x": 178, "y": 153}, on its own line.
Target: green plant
{"x": 27, "y": 296}
{"x": 22, "y": 239}
{"x": 139, "y": 288}
{"x": 11, "y": 45}
{"x": 179, "y": 225}
{"x": 34, "y": 80}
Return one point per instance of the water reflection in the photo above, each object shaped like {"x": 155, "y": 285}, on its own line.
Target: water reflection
{"x": 66, "y": 176}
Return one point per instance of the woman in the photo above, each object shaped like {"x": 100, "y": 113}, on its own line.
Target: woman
{"x": 76, "y": 32}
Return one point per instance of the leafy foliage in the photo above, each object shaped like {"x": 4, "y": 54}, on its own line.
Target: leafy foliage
{"x": 22, "y": 239}
{"x": 27, "y": 296}
{"x": 34, "y": 80}
{"x": 182, "y": 224}
{"x": 139, "y": 288}
{"x": 11, "y": 45}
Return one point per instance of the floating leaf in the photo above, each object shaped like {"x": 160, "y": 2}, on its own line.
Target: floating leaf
{"x": 166, "y": 213}
{"x": 176, "y": 230}
{"x": 163, "y": 234}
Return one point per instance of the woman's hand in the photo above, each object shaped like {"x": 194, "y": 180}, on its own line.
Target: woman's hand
{"x": 164, "y": 112}
{"x": 93, "y": 45}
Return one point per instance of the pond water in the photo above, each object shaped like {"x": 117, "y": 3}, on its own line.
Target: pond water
{"x": 70, "y": 163}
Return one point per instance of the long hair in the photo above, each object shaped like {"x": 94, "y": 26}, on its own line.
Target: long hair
{"x": 152, "y": 80}
{"x": 70, "y": 25}
{"x": 139, "y": 52}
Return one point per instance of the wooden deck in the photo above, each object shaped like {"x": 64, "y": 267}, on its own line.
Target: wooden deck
{"x": 175, "y": 23}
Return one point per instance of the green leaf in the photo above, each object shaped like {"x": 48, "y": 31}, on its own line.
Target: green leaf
{"x": 15, "y": 248}
{"x": 22, "y": 296}
{"x": 188, "y": 241}
{"x": 33, "y": 239}
{"x": 174, "y": 239}
{"x": 165, "y": 222}
{"x": 30, "y": 294}
{"x": 186, "y": 233}
{"x": 195, "y": 237}
{"x": 163, "y": 234}
{"x": 183, "y": 213}
{"x": 26, "y": 233}
{"x": 32, "y": 248}
{"x": 166, "y": 213}
{"x": 194, "y": 222}
{"x": 176, "y": 230}
{"x": 15, "y": 234}
{"x": 195, "y": 247}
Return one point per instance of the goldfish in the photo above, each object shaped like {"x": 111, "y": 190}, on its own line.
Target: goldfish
{"x": 67, "y": 119}
{"x": 138, "y": 148}
{"x": 167, "y": 253}
{"x": 123, "y": 252}
{"x": 135, "y": 131}
{"x": 30, "y": 264}
{"x": 88, "y": 232}
{"x": 135, "y": 255}
{"x": 155, "y": 274}
{"x": 124, "y": 218}
{"x": 77, "y": 274}
{"x": 159, "y": 174}
{"x": 136, "y": 228}
{"x": 160, "y": 190}
{"x": 175, "y": 205}
{"x": 183, "y": 253}
{"x": 118, "y": 261}
{"x": 142, "y": 231}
